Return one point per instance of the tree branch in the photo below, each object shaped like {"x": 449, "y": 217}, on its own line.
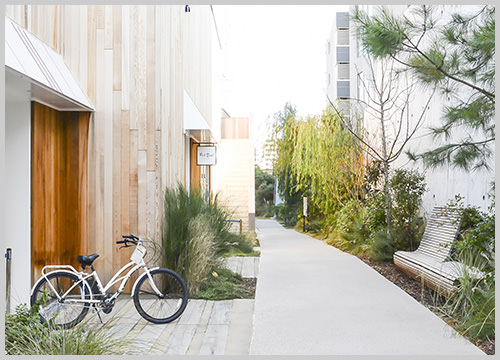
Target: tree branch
{"x": 375, "y": 153}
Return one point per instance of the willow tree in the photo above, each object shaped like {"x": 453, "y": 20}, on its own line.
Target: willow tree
{"x": 455, "y": 53}
{"x": 316, "y": 156}
{"x": 281, "y": 146}
{"x": 326, "y": 159}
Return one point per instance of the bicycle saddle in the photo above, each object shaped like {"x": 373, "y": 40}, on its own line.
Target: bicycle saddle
{"x": 87, "y": 260}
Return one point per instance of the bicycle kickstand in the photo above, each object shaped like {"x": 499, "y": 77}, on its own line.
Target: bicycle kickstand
{"x": 99, "y": 315}
{"x": 96, "y": 309}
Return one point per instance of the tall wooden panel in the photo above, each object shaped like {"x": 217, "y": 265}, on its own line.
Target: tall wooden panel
{"x": 134, "y": 63}
{"x": 195, "y": 170}
{"x": 59, "y": 214}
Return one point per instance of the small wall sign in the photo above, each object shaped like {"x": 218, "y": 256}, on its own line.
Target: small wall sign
{"x": 206, "y": 155}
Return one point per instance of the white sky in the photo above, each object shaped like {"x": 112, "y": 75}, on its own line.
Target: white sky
{"x": 272, "y": 54}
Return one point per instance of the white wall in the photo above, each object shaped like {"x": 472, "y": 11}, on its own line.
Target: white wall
{"x": 233, "y": 178}
{"x": 17, "y": 204}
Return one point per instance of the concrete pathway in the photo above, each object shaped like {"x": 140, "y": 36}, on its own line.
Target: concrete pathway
{"x": 314, "y": 299}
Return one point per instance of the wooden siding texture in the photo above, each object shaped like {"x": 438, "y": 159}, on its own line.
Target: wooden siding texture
{"x": 59, "y": 189}
{"x": 133, "y": 61}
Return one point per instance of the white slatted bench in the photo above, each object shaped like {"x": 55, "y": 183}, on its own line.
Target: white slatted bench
{"x": 430, "y": 263}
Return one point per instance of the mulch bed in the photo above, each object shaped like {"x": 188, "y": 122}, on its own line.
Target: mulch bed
{"x": 422, "y": 294}
{"x": 250, "y": 284}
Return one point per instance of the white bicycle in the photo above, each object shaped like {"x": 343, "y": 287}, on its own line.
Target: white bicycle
{"x": 65, "y": 295}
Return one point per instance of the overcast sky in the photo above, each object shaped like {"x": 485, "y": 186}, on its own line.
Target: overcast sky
{"x": 272, "y": 54}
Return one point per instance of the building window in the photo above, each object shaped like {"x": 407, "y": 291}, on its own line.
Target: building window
{"x": 343, "y": 71}
{"x": 343, "y": 89}
{"x": 342, "y": 54}
{"x": 343, "y": 37}
{"x": 342, "y": 20}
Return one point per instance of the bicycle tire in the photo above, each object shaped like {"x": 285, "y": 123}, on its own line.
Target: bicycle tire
{"x": 59, "y": 313}
{"x": 161, "y": 309}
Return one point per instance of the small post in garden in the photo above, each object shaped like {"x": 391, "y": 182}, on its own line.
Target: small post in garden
{"x": 8, "y": 257}
{"x": 304, "y": 213}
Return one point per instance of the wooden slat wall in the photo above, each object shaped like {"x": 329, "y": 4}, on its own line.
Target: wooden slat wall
{"x": 134, "y": 62}
{"x": 195, "y": 171}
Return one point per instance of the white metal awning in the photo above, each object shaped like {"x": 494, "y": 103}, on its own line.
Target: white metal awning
{"x": 29, "y": 59}
{"x": 194, "y": 123}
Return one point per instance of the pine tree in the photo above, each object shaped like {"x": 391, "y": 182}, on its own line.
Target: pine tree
{"x": 458, "y": 57}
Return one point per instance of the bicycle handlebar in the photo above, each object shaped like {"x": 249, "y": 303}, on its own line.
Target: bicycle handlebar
{"x": 128, "y": 239}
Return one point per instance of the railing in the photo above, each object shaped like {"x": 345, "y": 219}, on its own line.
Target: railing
{"x": 237, "y": 221}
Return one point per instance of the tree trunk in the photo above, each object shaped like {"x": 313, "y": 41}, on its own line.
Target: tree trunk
{"x": 387, "y": 193}
{"x": 388, "y": 199}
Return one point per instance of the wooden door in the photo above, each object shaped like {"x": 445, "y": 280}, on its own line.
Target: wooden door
{"x": 59, "y": 197}
{"x": 195, "y": 170}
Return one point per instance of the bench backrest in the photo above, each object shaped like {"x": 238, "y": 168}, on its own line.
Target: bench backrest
{"x": 440, "y": 232}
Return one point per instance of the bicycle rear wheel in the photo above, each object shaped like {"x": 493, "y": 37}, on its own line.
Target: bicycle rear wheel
{"x": 167, "y": 306}
{"x": 62, "y": 313}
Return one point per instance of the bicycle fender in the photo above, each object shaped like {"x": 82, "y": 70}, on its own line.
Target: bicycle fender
{"x": 139, "y": 278}
{"x": 58, "y": 271}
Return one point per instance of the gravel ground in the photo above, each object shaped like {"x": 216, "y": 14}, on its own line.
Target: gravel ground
{"x": 420, "y": 293}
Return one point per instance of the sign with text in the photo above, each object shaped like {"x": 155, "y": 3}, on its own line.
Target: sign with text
{"x": 206, "y": 155}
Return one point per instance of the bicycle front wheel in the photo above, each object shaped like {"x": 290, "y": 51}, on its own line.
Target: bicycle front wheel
{"x": 58, "y": 297}
{"x": 168, "y": 304}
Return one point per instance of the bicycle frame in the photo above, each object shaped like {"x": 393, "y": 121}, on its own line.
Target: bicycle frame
{"x": 137, "y": 262}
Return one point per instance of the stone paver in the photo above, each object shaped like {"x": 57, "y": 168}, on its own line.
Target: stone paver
{"x": 205, "y": 327}
{"x": 247, "y": 266}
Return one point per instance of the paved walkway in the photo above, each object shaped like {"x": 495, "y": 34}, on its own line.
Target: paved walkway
{"x": 311, "y": 299}
{"x": 314, "y": 299}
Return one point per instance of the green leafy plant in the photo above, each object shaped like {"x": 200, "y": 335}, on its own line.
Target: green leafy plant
{"x": 288, "y": 213}
{"x": 223, "y": 284}
{"x": 473, "y": 303}
{"x": 355, "y": 239}
{"x": 264, "y": 193}
{"x": 25, "y": 334}
{"x": 407, "y": 187}
{"x": 382, "y": 247}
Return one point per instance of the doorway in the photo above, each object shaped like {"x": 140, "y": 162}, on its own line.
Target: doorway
{"x": 59, "y": 186}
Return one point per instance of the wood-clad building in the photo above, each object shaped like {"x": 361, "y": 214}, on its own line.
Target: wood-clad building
{"x": 82, "y": 171}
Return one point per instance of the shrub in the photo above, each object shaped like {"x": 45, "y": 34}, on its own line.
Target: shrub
{"x": 223, "y": 284}
{"x": 356, "y": 237}
{"x": 347, "y": 215}
{"x": 473, "y": 304}
{"x": 288, "y": 214}
{"x": 407, "y": 187}
{"x": 25, "y": 334}
{"x": 382, "y": 248}
{"x": 195, "y": 234}
{"x": 375, "y": 211}
{"x": 264, "y": 193}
